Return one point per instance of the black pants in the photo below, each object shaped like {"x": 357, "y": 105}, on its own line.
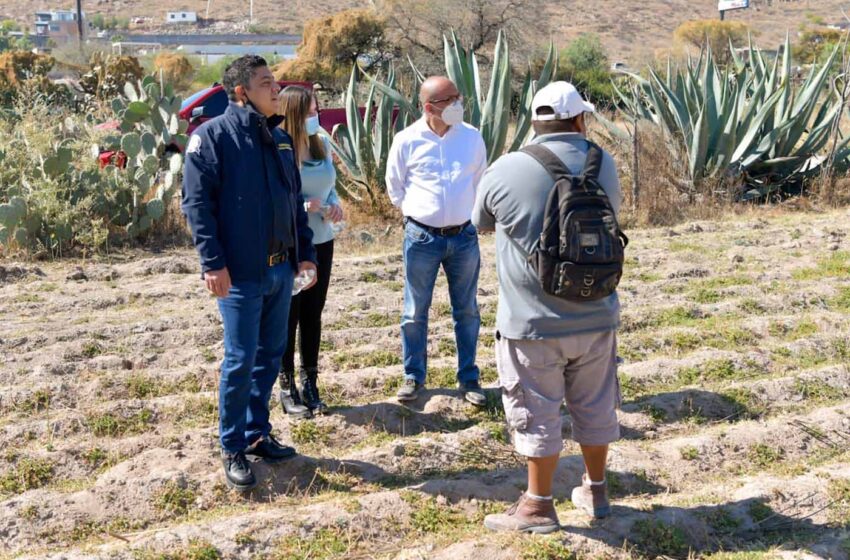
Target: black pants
{"x": 305, "y": 313}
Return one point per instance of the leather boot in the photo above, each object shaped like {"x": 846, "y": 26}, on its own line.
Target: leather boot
{"x": 290, "y": 399}
{"x": 526, "y": 515}
{"x": 310, "y": 390}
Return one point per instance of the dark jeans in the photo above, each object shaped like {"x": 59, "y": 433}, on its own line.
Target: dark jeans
{"x": 255, "y": 320}
{"x": 305, "y": 313}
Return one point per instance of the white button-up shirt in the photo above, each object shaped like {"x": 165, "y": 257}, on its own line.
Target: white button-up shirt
{"x": 434, "y": 179}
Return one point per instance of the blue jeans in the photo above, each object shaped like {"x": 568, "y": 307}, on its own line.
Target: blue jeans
{"x": 424, "y": 253}
{"x": 255, "y": 316}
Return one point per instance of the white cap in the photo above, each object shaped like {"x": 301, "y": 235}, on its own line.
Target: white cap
{"x": 563, "y": 98}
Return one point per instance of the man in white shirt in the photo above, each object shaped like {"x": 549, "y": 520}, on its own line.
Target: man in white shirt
{"x": 433, "y": 171}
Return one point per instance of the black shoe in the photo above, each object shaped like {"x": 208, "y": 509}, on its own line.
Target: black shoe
{"x": 310, "y": 391}
{"x": 409, "y": 390}
{"x": 290, "y": 399}
{"x": 270, "y": 450}
{"x": 237, "y": 471}
{"x": 473, "y": 392}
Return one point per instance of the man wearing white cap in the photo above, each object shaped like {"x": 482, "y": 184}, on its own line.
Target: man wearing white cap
{"x": 549, "y": 349}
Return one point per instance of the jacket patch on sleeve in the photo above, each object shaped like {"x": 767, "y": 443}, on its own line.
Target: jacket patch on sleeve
{"x": 194, "y": 146}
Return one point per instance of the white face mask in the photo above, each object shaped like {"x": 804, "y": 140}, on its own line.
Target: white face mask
{"x": 453, "y": 114}
{"x": 312, "y": 125}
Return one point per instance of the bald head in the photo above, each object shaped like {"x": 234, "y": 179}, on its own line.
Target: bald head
{"x": 436, "y": 88}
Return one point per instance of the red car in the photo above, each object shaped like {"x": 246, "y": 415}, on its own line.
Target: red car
{"x": 210, "y": 103}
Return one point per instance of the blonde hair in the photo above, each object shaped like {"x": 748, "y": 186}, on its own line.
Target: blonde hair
{"x": 295, "y": 106}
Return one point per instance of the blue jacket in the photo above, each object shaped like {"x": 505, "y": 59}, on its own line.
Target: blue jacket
{"x": 230, "y": 183}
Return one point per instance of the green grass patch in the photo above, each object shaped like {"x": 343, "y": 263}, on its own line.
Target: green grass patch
{"x": 838, "y": 492}
{"x": 679, "y": 316}
{"x": 752, "y": 306}
{"x": 841, "y": 301}
{"x": 35, "y": 402}
{"x": 322, "y": 544}
{"x": 174, "y": 500}
{"x": 721, "y": 520}
{"x": 543, "y": 548}
{"x": 430, "y": 517}
{"x": 370, "y": 277}
{"x": 712, "y": 370}
{"x": 375, "y": 358}
{"x": 817, "y": 391}
{"x": 310, "y": 433}
{"x": 747, "y": 403}
{"x": 706, "y": 295}
{"x": 380, "y": 319}
{"x": 197, "y": 550}
{"x": 803, "y": 328}
{"x": 113, "y": 425}
{"x": 446, "y": 347}
{"x": 721, "y": 282}
{"x": 656, "y": 538}
{"x": 91, "y": 349}
{"x": 836, "y": 265}
{"x": 488, "y": 319}
{"x": 764, "y": 456}
{"x": 27, "y": 473}
{"x": 759, "y": 511}
{"x": 689, "y": 453}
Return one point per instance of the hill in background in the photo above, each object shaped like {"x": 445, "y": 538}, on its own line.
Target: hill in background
{"x": 631, "y": 31}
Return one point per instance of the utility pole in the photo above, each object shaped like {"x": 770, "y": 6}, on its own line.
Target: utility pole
{"x": 80, "y": 21}
{"x": 207, "y": 16}
{"x": 251, "y": 14}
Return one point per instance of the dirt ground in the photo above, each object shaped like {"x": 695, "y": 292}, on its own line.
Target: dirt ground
{"x": 735, "y": 340}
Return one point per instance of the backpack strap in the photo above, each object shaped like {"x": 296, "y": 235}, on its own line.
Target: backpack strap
{"x": 556, "y": 167}
{"x": 593, "y": 163}
{"x": 547, "y": 158}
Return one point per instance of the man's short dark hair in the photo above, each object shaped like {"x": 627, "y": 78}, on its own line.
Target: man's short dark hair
{"x": 239, "y": 73}
{"x": 556, "y": 126}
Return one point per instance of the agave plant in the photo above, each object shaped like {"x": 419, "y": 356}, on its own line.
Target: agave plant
{"x": 362, "y": 144}
{"x": 748, "y": 120}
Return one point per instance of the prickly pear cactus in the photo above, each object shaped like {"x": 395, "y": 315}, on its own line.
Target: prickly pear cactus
{"x": 152, "y": 136}
{"x": 14, "y": 226}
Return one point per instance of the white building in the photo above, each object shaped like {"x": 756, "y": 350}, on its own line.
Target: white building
{"x": 181, "y": 17}
{"x": 60, "y": 26}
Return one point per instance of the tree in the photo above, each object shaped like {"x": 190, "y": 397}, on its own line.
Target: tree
{"x": 713, "y": 33}
{"x": 585, "y": 64}
{"x": 7, "y": 42}
{"x": 332, "y": 44}
{"x": 419, "y": 27}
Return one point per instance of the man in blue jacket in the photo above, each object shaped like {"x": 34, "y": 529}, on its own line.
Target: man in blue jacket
{"x": 242, "y": 199}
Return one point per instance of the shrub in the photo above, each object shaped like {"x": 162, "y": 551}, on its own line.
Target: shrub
{"x": 585, "y": 64}
{"x": 714, "y": 34}
{"x": 176, "y": 69}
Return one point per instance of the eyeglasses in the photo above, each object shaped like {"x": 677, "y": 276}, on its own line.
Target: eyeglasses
{"x": 451, "y": 98}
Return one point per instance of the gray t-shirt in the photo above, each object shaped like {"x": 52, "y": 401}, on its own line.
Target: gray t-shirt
{"x": 511, "y": 200}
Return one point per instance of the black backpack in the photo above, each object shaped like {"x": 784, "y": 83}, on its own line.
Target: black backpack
{"x": 580, "y": 253}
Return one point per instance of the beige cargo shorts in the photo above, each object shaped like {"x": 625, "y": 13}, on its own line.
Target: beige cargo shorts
{"x": 536, "y": 376}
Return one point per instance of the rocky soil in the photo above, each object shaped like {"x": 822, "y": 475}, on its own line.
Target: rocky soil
{"x": 735, "y": 417}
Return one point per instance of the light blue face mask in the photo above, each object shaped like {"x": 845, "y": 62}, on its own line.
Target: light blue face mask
{"x": 312, "y": 125}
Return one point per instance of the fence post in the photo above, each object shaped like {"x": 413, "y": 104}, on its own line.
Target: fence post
{"x": 635, "y": 165}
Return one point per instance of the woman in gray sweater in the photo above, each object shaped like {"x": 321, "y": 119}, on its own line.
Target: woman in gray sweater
{"x": 318, "y": 179}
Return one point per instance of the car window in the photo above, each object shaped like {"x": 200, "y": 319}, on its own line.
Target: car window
{"x": 189, "y": 101}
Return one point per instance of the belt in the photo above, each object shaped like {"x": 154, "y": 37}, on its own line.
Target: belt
{"x": 443, "y": 231}
{"x": 277, "y": 258}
